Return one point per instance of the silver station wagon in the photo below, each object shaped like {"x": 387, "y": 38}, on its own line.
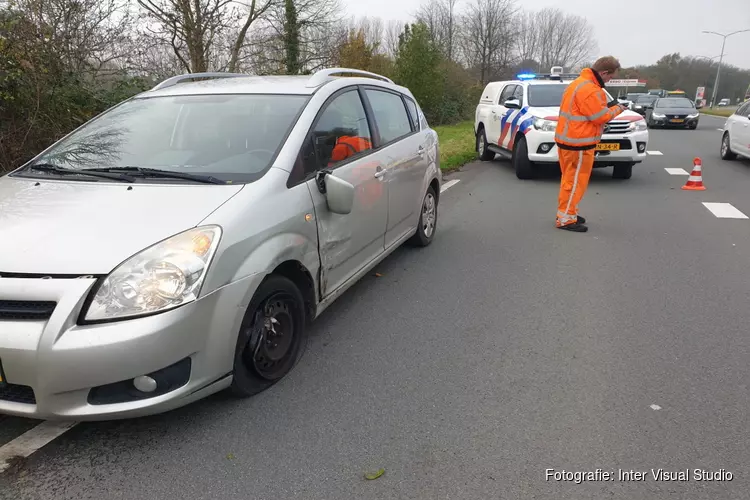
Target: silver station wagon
{"x": 181, "y": 242}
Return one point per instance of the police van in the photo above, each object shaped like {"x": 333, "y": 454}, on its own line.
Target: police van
{"x": 516, "y": 120}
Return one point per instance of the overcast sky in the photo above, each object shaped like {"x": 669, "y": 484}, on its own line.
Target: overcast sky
{"x": 637, "y": 33}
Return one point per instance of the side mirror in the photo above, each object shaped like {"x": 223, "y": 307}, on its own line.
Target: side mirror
{"x": 339, "y": 193}
{"x": 512, "y": 104}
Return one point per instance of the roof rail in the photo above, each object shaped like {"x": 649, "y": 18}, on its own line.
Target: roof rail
{"x": 169, "y": 82}
{"x": 324, "y": 75}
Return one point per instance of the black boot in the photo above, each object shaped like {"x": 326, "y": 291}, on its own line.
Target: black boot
{"x": 581, "y": 219}
{"x": 576, "y": 227}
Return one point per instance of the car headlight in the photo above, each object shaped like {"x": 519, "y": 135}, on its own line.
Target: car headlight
{"x": 658, "y": 115}
{"x": 638, "y": 125}
{"x": 694, "y": 115}
{"x": 161, "y": 277}
{"x": 545, "y": 125}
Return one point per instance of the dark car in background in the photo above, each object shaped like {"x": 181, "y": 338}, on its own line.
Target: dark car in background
{"x": 677, "y": 112}
{"x": 643, "y": 102}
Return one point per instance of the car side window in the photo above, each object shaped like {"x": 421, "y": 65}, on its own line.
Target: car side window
{"x": 744, "y": 110}
{"x": 390, "y": 114}
{"x": 413, "y": 114}
{"x": 507, "y": 93}
{"x": 340, "y": 133}
{"x": 518, "y": 94}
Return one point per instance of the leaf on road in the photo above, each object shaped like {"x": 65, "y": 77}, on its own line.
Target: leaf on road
{"x": 370, "y": 476}
{"x": 378, "y": 275}
{"x": 230, "y": 456}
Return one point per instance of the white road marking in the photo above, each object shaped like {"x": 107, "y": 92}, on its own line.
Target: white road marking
{"x": 32, "y": 440}
{"x": 677, "y": 171}
{"x": 724, "y": 211}
{"x": 655, "y": 153}
{"x": 449, "y": 184}
{"x": 655, "y": 407}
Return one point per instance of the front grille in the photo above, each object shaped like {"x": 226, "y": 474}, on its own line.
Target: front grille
{"x": 26, "y": 309}
{"x": 682, "y": 117}
{"x": 617, "y": 128}
{"x": 17, "y": 394}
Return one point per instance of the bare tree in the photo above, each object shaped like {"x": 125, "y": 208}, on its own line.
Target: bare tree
{"x": 554, "y": 38}
{"x": 440, "y": 17}
{"x": 393, "y": 30}
{"x": 488, "y": 36}
{"x": 195, "y": 29}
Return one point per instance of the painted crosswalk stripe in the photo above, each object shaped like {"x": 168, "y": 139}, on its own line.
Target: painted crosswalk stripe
{"x": 655, "y": 153}
{"x": 449, "y": 184}
{"x": 31, "y": 440}
{"x": 677, "y": 171}
{"x": 724, "y": 211}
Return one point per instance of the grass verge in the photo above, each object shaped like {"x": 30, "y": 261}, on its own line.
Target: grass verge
{"x": 717, "y": 112}
{"x": 456, "y": 145}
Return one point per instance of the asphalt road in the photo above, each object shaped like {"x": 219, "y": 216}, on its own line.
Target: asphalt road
{"x": 470, "y": 367}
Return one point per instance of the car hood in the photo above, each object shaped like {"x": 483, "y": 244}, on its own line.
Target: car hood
{"x": 675, "y": 111}
{"x": 77, "y": 228}
{"x": 555, "y": 111}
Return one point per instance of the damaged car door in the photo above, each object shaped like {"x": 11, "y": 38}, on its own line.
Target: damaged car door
{"x": 341, "y": 143}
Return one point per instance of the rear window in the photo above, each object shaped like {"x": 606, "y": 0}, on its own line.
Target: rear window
{"x": 230, "y": 137}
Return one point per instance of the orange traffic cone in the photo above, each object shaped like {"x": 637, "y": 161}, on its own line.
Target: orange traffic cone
{"x": 695, "y": 181}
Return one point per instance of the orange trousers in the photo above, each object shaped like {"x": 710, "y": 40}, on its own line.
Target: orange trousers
{"x": 576, "y": 169}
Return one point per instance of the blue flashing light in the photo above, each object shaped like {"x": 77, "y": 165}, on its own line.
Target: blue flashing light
{"x": 526, "y": 76}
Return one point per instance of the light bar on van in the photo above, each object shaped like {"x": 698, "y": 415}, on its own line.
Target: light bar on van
{"x": 526, "y": 76}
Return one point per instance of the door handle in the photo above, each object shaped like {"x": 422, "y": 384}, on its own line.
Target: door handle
{"x": 420, "y": 151}
{"x": 494, "y": 112}
{"x": 380, "y": 172}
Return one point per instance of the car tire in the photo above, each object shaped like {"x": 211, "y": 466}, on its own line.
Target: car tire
{"x": 482, "y": 146}
{"x": 623, "y": 171}
{"x": 726, "y": 151}
{"x": 258, "y": 361}
{"x": 428, "y": 216}
{"x": 520, "y": 160}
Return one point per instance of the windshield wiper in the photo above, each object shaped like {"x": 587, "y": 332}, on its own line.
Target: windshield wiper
{"x": 158, "y": 173}
{"x": 55, "y": 169}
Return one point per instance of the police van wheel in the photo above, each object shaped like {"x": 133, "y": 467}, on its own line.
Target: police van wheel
{"x": 520, "y": 160}
{"x": 624, "y": 171}
{"x": 482, "y": 147}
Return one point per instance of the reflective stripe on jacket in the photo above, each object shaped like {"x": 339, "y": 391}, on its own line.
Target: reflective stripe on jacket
{"x": 583, "y": 112}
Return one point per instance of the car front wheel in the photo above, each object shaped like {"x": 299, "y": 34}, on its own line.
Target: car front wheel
{"x": 623, "y": 171}
{"x": 271, "y": 336}
{"x": 726, "y": 151}
{"x": 520, "y": 160}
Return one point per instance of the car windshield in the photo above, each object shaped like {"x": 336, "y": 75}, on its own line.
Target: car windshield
{"x": 632, "y": 97}
{"x": 233, "y": 138}
{"x": 677, "y": 102}
{"x": 546, "y": 95}
{"x": 646, "y": 99}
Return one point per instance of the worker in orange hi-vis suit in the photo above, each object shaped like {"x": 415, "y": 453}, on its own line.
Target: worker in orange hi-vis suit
{"x": 584, "y": 111}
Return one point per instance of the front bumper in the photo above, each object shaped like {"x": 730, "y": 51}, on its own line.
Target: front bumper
{"x": 632, "y": 148}
{"x": 677, "y": 122}
{"x": 55, "y": 369}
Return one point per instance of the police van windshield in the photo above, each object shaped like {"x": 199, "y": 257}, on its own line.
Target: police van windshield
{"x": 544, "y": 96}
{"x": 229, "y": 137}
{"x": 548, "y": 96}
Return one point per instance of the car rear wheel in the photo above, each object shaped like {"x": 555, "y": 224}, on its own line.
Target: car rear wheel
{"x": 427, "y": 220}
{"x": 624, "y": 171}
{"x": 726, "y": 151}
{"x": 271, "y": 336}
{"x": 482, "y": 146}
{"x": 520, "y": 160}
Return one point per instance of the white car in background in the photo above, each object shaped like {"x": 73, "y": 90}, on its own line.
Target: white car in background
{"x": 735, "y": 139}
{"x": 517, "y": 119}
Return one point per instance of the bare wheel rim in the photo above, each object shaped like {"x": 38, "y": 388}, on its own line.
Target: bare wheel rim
{"x": 724, "y": 145}
{"x": 271, "y": 344}
{"x": 428, "y": 215}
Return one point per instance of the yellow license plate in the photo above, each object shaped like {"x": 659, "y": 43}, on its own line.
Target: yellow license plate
{"x": 676, "y": 120}
{"x": 608, "y": 146}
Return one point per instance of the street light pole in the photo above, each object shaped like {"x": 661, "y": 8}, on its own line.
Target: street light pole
{"x": 721, "y": 58}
